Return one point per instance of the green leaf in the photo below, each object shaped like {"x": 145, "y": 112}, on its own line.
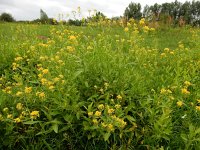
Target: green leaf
{"x": 68, "y": 118}
{"x": 55, "y": 128}
{"x": 32, "y": 122}
{"x": 90, "y": 107}
{"x": 131, "y": 119}
{"x": 106, "y": 136}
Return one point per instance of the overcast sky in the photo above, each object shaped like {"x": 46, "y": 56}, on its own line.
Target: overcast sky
{"x": 30, "y": 9}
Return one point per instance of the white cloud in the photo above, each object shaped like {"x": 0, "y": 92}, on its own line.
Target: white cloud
{"x": 30, "y": 9}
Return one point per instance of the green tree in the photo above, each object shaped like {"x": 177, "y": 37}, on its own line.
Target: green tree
{"x": 156, "y": 9}
{"x": 133, "y": 11}
{"x": 43, "y": 16}
{"x": 6, "y": 17}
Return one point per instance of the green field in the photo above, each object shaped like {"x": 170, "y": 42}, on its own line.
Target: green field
{"x": 99, "y": 87}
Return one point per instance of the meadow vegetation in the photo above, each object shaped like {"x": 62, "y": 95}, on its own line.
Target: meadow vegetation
{"x": 101, "y": 86}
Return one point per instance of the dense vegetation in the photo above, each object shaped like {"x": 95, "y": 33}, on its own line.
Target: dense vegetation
{"x": 103, "y": 86}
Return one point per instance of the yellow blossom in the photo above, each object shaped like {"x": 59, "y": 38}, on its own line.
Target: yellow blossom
{"x": 110, "y": 111}
{"x": 103, "y": 125}
{"x": 72, "y": 37}
{"x": 187, "y": 83}
{"x": 95, "y": 121}
{"x": 90, "y": 114}
{"x": 43, "y": 81}
{"x": 9, "y": 116}
{"x": 126, "y": 29}
{"x": 56, "y": 79}
{"x": 19, "y": 93}
{"x": 163, "y": 55}
{"x": 119, "y": 97}
{"x": 28, "y": 89}
{"x": 41, "y": 95}
{"x": 166, "y": 50}
{"x": 185, "y": 91}
{"x": 18, "y": 58}
{"x": 179, "y": 103}
{"x": 101, "y": 106}
{"x": 51, "y": 87}
{"x": 19, "y": 106}
{"x": 1, "y": 117}
{"x": 97, "y": 114}
{"x": 198, "y": 108}
{"x": 45, "y": 71}
{"x": 17, "y": 120}
{"x": 5, "y": 109}
{"x": 40, "y": 75}
{"x": 110, "y": 127}
{"x": 34, "y": 114}
{"x": 117, "y": 106}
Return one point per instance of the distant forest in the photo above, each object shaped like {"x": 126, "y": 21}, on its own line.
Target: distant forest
{"x": 174, "y": 13}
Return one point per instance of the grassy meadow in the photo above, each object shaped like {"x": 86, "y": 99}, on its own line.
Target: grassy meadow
{"x": 99, "y": 87}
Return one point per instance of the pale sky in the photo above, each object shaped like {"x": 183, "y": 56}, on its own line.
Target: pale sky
{"x": 30, "y": 9}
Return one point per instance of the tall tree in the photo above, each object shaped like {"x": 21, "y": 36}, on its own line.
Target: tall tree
{"x": 133, "y": 11}
{"x": 43, "y": 16}
{"x": 6, "y": 17}
{"x": 156, "y": 9}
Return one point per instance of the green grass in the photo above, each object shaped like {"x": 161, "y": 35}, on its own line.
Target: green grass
{"x": 99, "y": 87}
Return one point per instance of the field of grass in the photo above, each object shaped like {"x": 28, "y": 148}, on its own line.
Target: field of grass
{"x": 99, "y": 87}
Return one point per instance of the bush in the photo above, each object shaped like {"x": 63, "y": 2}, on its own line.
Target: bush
{"x": 6, "y": 17}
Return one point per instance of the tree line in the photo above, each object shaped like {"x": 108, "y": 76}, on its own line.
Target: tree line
{"x": 172, "y": 13}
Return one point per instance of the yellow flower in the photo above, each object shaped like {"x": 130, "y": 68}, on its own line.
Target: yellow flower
{"x": 34, "y": 114}
{"x": 198, "y": 108}
{"x": 90, "y": 114}
{"x": 51, "y": 87}
{"x": 19, "y": 106}
{"x": 106, "y": 84}
{"x": 18, "y": 58}
{"x": 110, "y": 127}
{"x": 41, "y": 95}
{"x": 117, "y": 106}
{"x": 95, "y": 121}
{"x": 103, "y": 125}
{"x": 56, "y": 79}
{"x": 126, "y": 29}
{"x": 19, "y": 93}
{"x": 5, "y": 109}
{"x": 163, "y": 55}
{"x": 28, "y": 89}
{"x": 17, "y": 120}
{"x": 97, "y": 114}
{"x": 198, "y": 100}
{"x": 166, "y": 50}
{"x": 185, "y": 91}
{"x": 43, "y": 81}
{"x": 9, "y": 116}
{"x": 119, "y": 97}
{"x": 61, "y": 76}
{"x": 72, "y": 37}
{"x": 146, "y": 28}
{"x": 187, "y": 83}
{"x": 179, "y": 103}
{"x": 142, "y": 21}
{"x": 101, "y": 107}
{"x": 110, "y": 111}
{"x": 45, "y": 71}
{"x": 1, "y": 117}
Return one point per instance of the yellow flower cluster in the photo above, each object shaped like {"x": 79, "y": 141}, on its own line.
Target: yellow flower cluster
{"x": 34, "y": 114}
{"x": 165, "y": 91}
